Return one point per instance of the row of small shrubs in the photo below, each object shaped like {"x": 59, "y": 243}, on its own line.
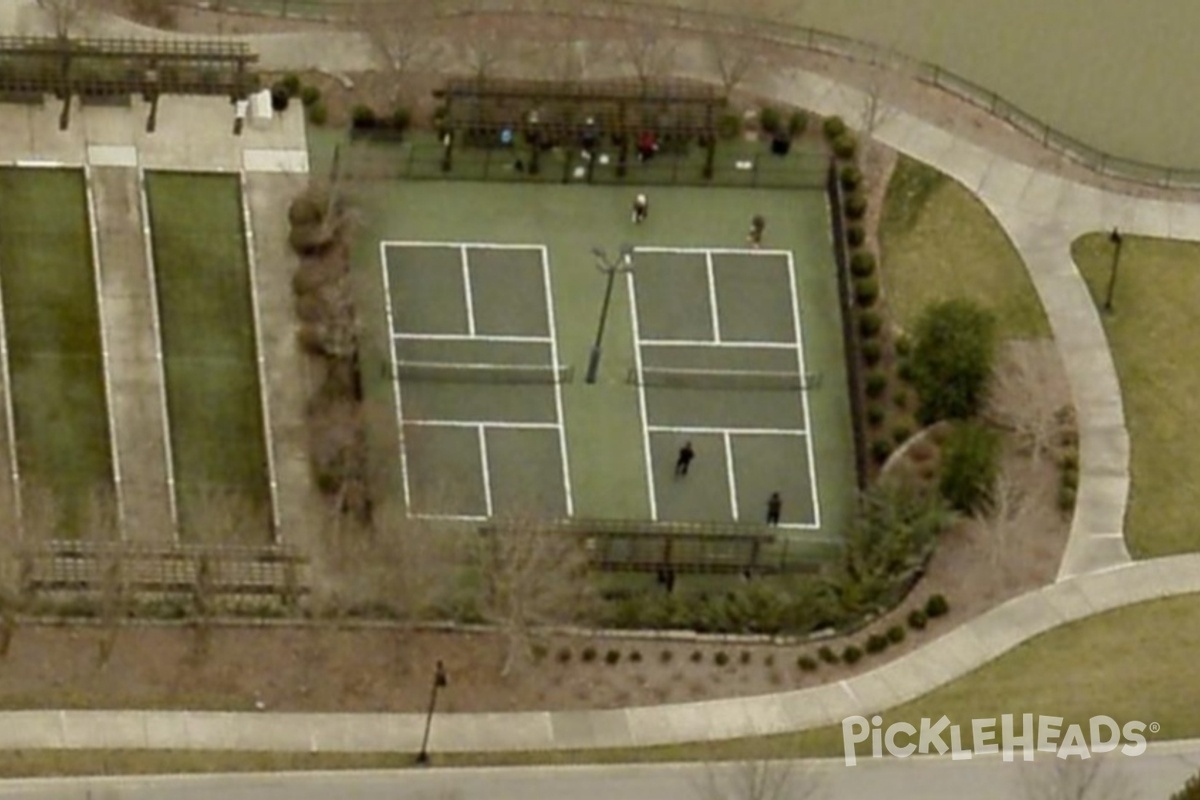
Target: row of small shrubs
{"x": 290, "y": 88}
{"x": 772, "y": 122}
{"x": 1068, "y": 480}
{"x": 918, "y": 619}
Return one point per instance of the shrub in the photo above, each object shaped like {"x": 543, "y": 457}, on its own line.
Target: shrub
{"x": 852, "y": 654}
{"x": 280, "y": 98}
{"x": 856, "y": 205}
{"x": 855, "y": 234}
{"x": 875, "y": 415}
{"x": 905, "y": 371}
{"x": 636, "y": 657}
{"x": 363, "y": 117}
{"x": 866, "y": 291}
{"x": 318, "y": 114}
{"x": 870, "y": 323}
{"x": 310, "y": 95}
{"x": 970, "y": 460}
{"x": 401, "y": 119}
{"x": 729, "y": 126}
{"x": 862, "y": 264}
{"x": 851, "y": 177}
{"x": 770, "y": 120}
{"x": 880, "y": 450}
{"x": 903, "y": 345}
{"x": 833, "y": 127}
{"x": 564, "y": 655}
{"x": 954, "y": 345}
{"x": 917, "y": 619}
{"x": 900, "y": 434}
{"x": 807, "y": 663}
{"x": 876, "y": 384}
{"x": 612, "y": 657}
{"x": 896, "y": 634}
{"x": 936, "y": 606}
{"x": 1070, "y": 479}
{"x": 1069, "y": 461}
{"x": 769, "y": 660}
{"x": 588, "y": 654}
{"x": 1066, "y": 498}
{"x": 290, "y": 84}
{"x": 872, "y": 352}
{"x": 845, "y": 146}
{"x": 745, "y": 657}
{"x": 539, "y": 652}
{"x": 797, "y": 123}
{"x": 665, "y": 656}
{"x": 721, "y": 658}
{"x": 900, "y": 400}
{"x": 876, "y": 643}
{"x": 697, "y": 656}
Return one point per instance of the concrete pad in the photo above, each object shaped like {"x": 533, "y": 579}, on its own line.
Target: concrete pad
{"x": 766, "y": 716}
{"x": 587, "y": 729}
{"x": 1183, "y": 221}
{"x": 1044, "y": 193}
{"x": 1067, "y": 601}
{"x": 908, "y": 678}
{"x": 1100, "y": 505}
{"x": 460, "y": 733}
{"x": 1112, "y": 589}
{"x": 113, "y": 125}
{"x": 103, "y": 155}
{"x": 872, "y": 692}
{"x": 32, "y": 730}
{"x": 929, "y": 143}
{"x": 105, "y": 730}
{"x": 167, "y": 731}
{"x": 1152, "y": 218}
{"x": 835, "y": 702}
{"x": 1118, "y": 211}
{"x": 288, "y": 161}
{"x": 1104, "y": 451}
{"x": 1080, "y": 209}
{"x": 1172, "y": 577}
{"x": 803, "y": 710}
{"x": 967, "y": 163}
{"x": 1095, "y": 554}
{"x": 1004, "y": 183}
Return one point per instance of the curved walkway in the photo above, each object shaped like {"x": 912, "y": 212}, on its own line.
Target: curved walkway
{"x": 1042, "y": 214}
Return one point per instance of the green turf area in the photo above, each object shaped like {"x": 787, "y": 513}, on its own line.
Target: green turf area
{"x": 207, "y": 319}
{"x": 1149, "y": 333}
{"x": 938, "y": 242}
{"x": 52, "y": 325}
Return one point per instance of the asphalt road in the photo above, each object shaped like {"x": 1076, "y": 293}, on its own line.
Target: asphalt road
{"x": 1152, "y": 776}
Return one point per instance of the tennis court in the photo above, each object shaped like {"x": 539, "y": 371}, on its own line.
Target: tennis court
{"x": 719, "y": 362}
{"x": 477, "y": 380}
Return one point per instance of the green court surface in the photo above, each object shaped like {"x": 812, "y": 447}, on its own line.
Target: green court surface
{"x": 473, "y": 309}
{"x": 52, "y": 328}
{"x": 206, "y": 317}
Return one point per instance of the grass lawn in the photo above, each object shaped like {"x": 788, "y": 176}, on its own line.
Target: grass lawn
{"x": 52, "y": 326}
{"x": 940, "y": 242}
{"x": 213, "y": 395}
{"x": 1154, "y": 306}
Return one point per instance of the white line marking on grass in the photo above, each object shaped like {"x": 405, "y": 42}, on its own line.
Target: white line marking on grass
{"x": 463, "y": 337}
{"x": 736, "y": 345}
{"x": 487, "y": 470}
{"x": 637, "y": 360}
{"x": 812, "y": 464}
{"x": 712, "y": 297}
{"x": 733, "y": 503}
{"x": 475, "y": 423}
{"x": 158, "y": 352}
{"x": 466, "y": 273}
{"x": 10, "y": 419}
{"x": 558, "y": 399}
{"x": 108, "y": 391}
{"x": 399, "y": 403}
{"x": 263, "y": 388}
{"x": 720, "y": 431}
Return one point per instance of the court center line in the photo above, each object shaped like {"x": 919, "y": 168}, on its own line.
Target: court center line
{"x": 733, "y": 503}
{"x": 812, "y": 465}
{"x": 723, "y": 251}
{"x": 720, "y": 431}
{"x": 712, "y": 296}
{"x": 475, "y": 423}
{"x": 455, "y": 517}
{"x": 558, "y": 398}
{"x": 487, "y": 471}
{"x": 736, "y": 345}
{"x": 637, "y": 362}
{"x": 466, "y": 271}
{"x": 399, "y": 403}
{"x": 463, "y": 337}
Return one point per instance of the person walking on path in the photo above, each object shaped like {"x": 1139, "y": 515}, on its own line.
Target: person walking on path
{"x": 686, "y": 454}
{"x": 641, "y": 209}
{"x": 774, "y": 507}
{"x": 758, "y": 224}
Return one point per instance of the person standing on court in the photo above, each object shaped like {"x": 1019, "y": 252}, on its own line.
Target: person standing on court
{"x": 758, "y": 224}
{"x": 774, "y": 507}
{"x": 641, "y": 209}
{"x": 686, "y": 454}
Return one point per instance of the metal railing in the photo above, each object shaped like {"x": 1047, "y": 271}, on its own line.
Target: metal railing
{"x": 768, "y": 32}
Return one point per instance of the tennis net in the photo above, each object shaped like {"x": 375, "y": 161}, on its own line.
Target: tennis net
{"x": 671, "y": 378}
{"x": 450, "y": 372}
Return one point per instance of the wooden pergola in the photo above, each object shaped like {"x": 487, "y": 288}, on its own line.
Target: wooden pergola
{"x": 538, "y": 115}
{"x": 111, "y": 70}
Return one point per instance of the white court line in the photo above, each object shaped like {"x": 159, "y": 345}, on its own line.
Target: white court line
{"x": 10, "y": 418}
{"x": 475, "y": 423}
{"x": 456, "y": 517}
{"x": 812, "y": 465}
{"x": 741, "y": 251}
{"x": 466, "y": 273}
{"x": 712, "y": 297}
{"x": 735, "y": 345}
{"x": 108, "y": 390}
{"x": 733, "y": 503}
{"x": 487, "y": 470}
{"x": 168, "y": 449}
{"x": 637, "y": 360}
{"x": 463, "y": 337}
{"x": 399, "y": 403}
{"x": 558, "y": 399}
{"x": 721, "y": 431}
{"x": 458, "y": 245}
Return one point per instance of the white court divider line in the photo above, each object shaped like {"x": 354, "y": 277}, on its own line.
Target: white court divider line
{"x": 452, "y": 517}
{"x": 36, "y": 164}
{"x": 487, "y": 470}
{"x": 147, "y": 238}
{"x": 727, "y": 344}
{"x": 10, "y": 419}
{"x": 637, "y": 360}
{"x": 812, "y": 464}
{"x": 457, "y": 244}
{"x": 720, "y": 251}
{"x": 463, "y": 337}
{"x": 733, "y": 502}
{"x": 721, "y": 431}
{"x": 263, "y": 389}
{"x": 475, "y": 423}
{"x": 712, "y": 297}
{"x": 470, "y": 301}
{"x": 104, "y": 355}
{"x": 558, "y": 398}
{"x": 399, "y": 402}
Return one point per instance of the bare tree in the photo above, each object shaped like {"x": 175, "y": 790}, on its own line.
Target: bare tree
{"x": 1028, "y": 394}
{"x": 759, "y": 780}
{"x": 66, "y": 14}
{"x": 1096, "y": 778}
{"x": 400, "y": 32}
{"x": 650, "y": 50}
{"x": 1021, "y": 505}
{"x": 733, "y": 42}
{"x": 481, "y": 45}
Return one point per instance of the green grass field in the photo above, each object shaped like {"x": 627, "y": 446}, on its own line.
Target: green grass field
{"x": 939, "y": 241}
{"x": 1160, "y": 382}
{"x": 213, "y": 396}
{"x": 52, "y": 325}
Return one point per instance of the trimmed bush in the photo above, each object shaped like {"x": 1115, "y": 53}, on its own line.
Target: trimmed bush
{"x": 400, "y": 120}
{"x": 363, "y": 117}
{"x": 636, "y": 657}
{"x": 833, "y": 127}
{"x": 797, "y": 123}
{"x": 310, "y": 95}
{"x": 770, "y": 120}
{"x": 539, "y": 652}
{"x": 612, "y": 657}
{"x": 769, "y": 660}
{"x": 872, "y": 352}
{"x": 665, "y": 656}
{"x": 564, "y": 655}
{"x": 729, "y": 126}
{"x": 845, "y": 146}
{"x": 876, "y": 643}
{"x": 721, "y": 658}
{"x": 876, "y": 384}
{"x": 697, "y": 656}
{"x": 807, "y": 663}
{"x": 855, "y": 206}
{"x": 856, "y": 235}
{"x": 318, "y": 114}
{"x": 880, "y": 450}
{"x": 917, "y": 619}
{"x": 866, "y": 291}
{"x": 280, "y": 98}
{"x": 870, "y": 323}
{"x": 851, "y": 177}
{"x": 903, "y": 345}
{"x": 970, "y": 461}
{"x": 862, "y": 264}
{"x": 745, "y": 657}
{"x": 1070, "y": 479}
{"x": 852, "y": 654}
{"x": 826, "y": 654}
{"x": 1066, "y": 498}
{"x": 900, "y": 434}
{"x": 905, "y": 371}
{"x": 896, "y": 634}
{"x": 954, "y": 347}
{"x": 588, "y": 655}
{"x": 936, "y": 606}
{"x": 900, "y": 400}
{"x": 290, "y": 83}
{"x": 875, "y": 415}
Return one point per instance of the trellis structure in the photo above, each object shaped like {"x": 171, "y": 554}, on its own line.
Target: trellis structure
{"x": 111, "y": 70}
{"x": 537, "y": 115}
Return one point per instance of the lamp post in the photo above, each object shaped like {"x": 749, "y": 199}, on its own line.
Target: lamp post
{"x": 440, "y": 680}
{"x": 623, "y": 263}
{"x": 1116, "y": 239}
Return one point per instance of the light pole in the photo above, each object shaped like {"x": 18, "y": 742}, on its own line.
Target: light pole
{"x": 1116, "y": 239}
{"x": 623, "y": 263}
{"x": 440, "y": 680}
